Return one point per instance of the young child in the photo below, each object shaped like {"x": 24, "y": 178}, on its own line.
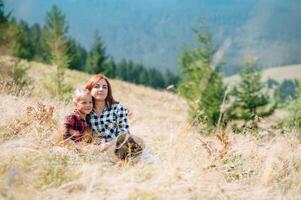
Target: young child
{"x": 76, "y": 123}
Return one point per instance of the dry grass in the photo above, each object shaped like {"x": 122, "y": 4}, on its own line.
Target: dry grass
{"x": 35, "y": 166}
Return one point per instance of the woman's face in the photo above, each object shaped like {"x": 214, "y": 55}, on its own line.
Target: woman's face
{"x": 100, "y": 91}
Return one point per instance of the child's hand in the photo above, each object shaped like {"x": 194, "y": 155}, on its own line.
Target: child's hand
{"x": 75, "y": 133}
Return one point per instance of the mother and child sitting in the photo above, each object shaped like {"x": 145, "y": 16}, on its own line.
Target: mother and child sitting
{"x": 96, "y": 110}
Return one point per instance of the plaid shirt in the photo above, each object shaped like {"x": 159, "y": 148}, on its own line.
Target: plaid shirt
{"x": 110, "y": 123}
{"x": 73, "y": 122}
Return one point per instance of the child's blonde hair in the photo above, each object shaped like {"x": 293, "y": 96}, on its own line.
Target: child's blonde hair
{"x": 79, "y": 93}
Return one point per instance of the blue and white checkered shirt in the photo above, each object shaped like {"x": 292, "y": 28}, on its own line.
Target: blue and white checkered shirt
{"x": 110, "y": 123}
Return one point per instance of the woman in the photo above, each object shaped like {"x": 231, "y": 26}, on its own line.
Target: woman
{"x": 108, "y": 118}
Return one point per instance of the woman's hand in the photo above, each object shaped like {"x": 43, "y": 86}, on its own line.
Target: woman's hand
{"x": 104, "y": 146}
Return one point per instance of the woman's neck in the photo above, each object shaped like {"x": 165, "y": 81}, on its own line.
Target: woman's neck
{"x": 99, "y": 106}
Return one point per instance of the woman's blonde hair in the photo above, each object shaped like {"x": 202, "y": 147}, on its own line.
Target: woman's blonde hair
{"x": 79, "y": 93}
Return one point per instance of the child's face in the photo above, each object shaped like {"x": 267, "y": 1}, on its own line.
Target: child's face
{"x": 85, "y": 104}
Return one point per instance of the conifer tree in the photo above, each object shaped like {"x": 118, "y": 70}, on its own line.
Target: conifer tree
{"x": 56, "y": 29}
{"x": 137, "y": 71}
{"x": 97, "y": 57}
{"x": 144, "y": 77}
{"x": 111, "y": 65}
{"x": 212, "y": 98}
{"x": 121, "y": 69}
{"x": 156, "y": 79}
{"x": 78, "y": 55}
{"x": 6, "y": 32}
{"x": 3, "y": 16}
{"x": 170, "y": 79}
{"x": 250, "y": 98}
{"x": 38, "y": 38}
{"x": 200, "y": 83}
{"x": 286, "y": 91}
{"x": 22, "y": 46}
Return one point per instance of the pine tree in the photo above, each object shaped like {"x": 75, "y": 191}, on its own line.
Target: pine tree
{"x": 201, "y": 84}
{"x": 56, "y": 29}
{"x": 286, "y": 91}
{"x": 250, "y": 98}
{"x": 3, "y": 19}
{"x": 156, "y": 79}
{"x": 22, "y": 46}
{"x": 144, "y": 77}
{"x": 38, "y": 39}
{"x": 129, "y": 70}
{"x": 271, "y": 83}
{"x": 138, "y": 70}
{"x": 195, "y": 68}
{"x": 3, "y": 16}
{"x": 171, "y": 79}
{"x": 7, "y": 33}
{"x": 121, "y": 69}
{"x": 97, "y": 57}
{"x": 212, "y": 98}
{"x": 111, "y": 65}
{"x": 78, "y": 55}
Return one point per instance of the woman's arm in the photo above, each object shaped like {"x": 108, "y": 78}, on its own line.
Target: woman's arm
{"x": 122, "y": 120}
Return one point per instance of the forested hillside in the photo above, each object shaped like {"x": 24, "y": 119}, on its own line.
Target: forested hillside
{"x": 154, "y": 33}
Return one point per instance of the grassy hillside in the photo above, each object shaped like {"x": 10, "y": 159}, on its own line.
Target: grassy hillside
{"x": 34, "y": 165}
{"x": 277, "y": 73}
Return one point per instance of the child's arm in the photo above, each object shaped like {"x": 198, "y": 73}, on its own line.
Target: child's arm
{"x": 69, "y": 132}
{"x": 74, "y": 133}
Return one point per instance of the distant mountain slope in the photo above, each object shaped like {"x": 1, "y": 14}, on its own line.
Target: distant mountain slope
{"x": 276, "y": 73}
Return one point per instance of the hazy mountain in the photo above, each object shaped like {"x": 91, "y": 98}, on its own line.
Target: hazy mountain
{"x": 154, "y": 32}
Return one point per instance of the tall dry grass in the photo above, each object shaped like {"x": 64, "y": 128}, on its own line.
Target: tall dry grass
{"x": 34, "y": 165}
